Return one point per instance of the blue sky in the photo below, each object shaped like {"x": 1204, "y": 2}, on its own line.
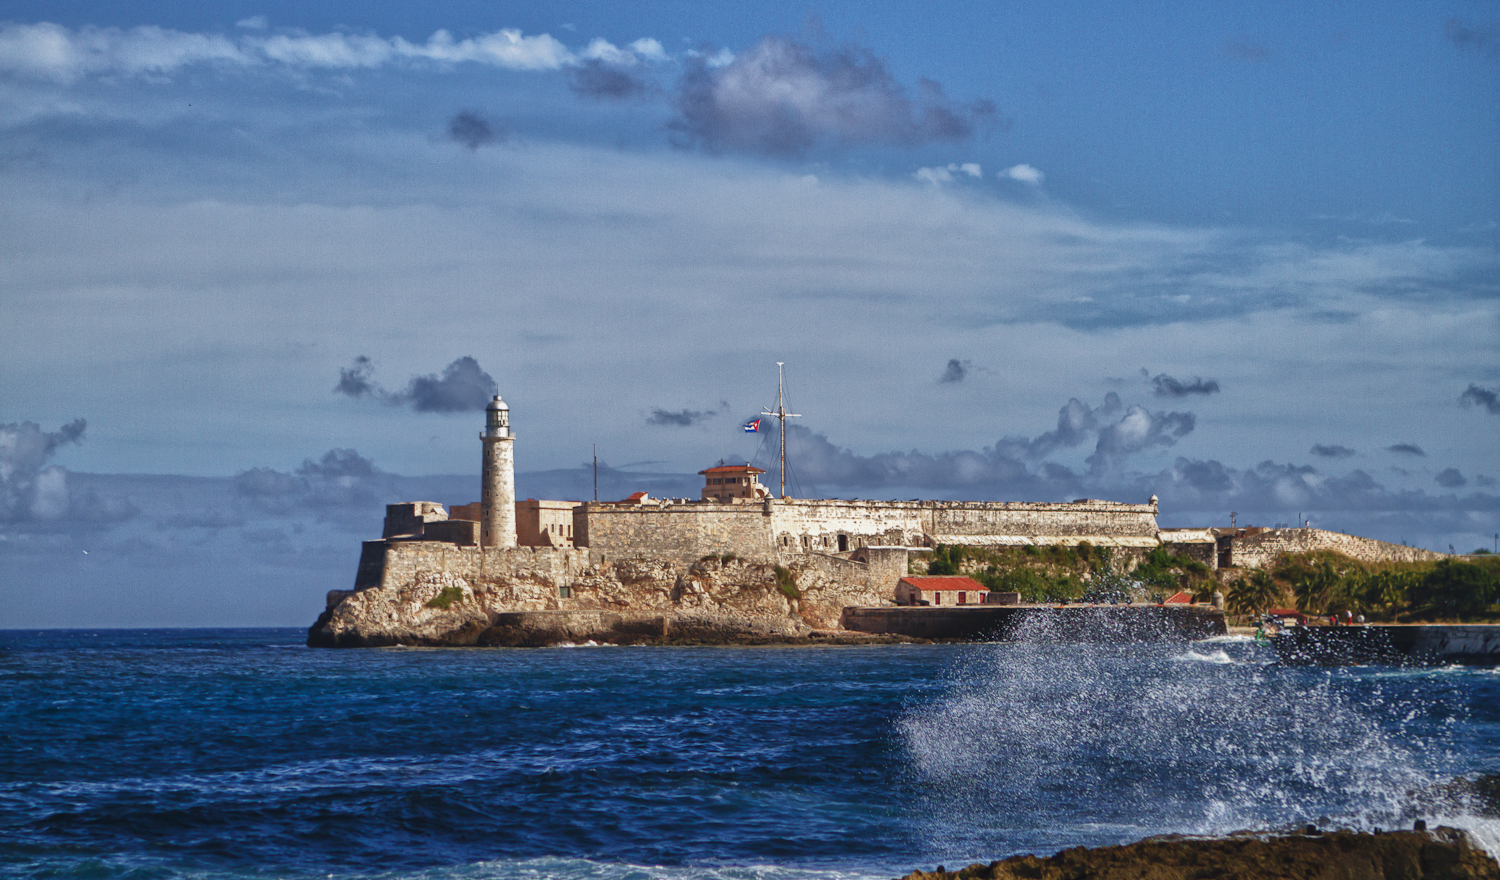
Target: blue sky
{"x": 1242, "y": 256}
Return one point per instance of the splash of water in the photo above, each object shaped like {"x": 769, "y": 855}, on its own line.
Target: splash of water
{"x": 1088, "y": 740}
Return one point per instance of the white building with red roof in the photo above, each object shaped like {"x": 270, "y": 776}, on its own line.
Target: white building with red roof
{"x": 940, "y": 591}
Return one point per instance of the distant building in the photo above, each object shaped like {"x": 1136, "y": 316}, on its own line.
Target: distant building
{"x": 940, "y": 591}
{"x": 733, "y": 484}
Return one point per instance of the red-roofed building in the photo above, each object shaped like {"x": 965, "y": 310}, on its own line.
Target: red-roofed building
{"x": 1178, "y": 599}
{"x": 733, "y": 484}
{"x": 940, "y": 591}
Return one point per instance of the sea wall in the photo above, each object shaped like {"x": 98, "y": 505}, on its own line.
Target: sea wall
{"x": 1472, "y": 644}
{"x": 1262, "y": 550}
{"x": 1045, "y": 622}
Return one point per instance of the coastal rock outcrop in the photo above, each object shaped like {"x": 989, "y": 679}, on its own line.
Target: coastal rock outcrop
{"x": 1439, "y": 854}
{"x": 718, "y": 600}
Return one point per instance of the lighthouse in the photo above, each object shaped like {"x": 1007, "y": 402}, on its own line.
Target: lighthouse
{"x": 497, "y": 525}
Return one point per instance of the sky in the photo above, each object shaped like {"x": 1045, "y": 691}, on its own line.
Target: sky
{"x": 261, "y": 264}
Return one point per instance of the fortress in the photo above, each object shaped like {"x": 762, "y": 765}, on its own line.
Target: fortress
{"x": 735, "y": 550}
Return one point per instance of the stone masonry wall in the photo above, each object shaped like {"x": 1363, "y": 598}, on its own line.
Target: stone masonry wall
{"x": 685, "y": 533}
{"x": 1262, "y": 550}
{"x": 688, "y": 532}
{"x": 953, "y": 521}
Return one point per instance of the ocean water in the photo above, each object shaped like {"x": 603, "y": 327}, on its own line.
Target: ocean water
{"x": 240, "y": 753}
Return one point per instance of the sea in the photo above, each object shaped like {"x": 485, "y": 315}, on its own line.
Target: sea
{"x": 228, "y": 753}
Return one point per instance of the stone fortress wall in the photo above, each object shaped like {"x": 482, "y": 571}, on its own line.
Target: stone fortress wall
{"x": 1262, "y": 549}
{"x": 775, "y": 528}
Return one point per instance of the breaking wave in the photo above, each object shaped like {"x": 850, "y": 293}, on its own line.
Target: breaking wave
{"x": 1128, "y": 739}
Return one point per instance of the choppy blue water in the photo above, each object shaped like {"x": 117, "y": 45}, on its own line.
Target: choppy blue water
{"x": 195, "y": 754}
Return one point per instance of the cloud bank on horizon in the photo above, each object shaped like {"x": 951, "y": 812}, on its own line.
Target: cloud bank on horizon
{"x": 628, "y": 224}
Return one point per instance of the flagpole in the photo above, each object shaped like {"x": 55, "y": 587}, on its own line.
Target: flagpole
{"x": 781, "y": 415}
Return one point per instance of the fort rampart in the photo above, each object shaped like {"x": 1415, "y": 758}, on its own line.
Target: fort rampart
{"x": 775, "y": 528}
{"x": 1263, "y": 549}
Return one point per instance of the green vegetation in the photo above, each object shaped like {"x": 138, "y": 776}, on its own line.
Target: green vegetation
{"x": 446, "y": 598}
{"x": 786, "y": 583}
{"x": 1057, "y": 573}
{"x": 1325, "y": 582}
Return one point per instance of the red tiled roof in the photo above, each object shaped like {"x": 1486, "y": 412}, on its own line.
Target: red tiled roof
{"x": 636, "y": 497}
{"x": 1179, "y": 599}
{"x": 943, "y": 583}
{"x": 734, "y": 468}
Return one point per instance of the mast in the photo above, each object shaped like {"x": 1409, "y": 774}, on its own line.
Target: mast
{"x": 781, "y": 416}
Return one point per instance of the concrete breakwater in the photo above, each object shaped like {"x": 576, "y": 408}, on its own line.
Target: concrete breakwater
{"x": 1062, "y": 623}
{"x": 1474, "y": 644}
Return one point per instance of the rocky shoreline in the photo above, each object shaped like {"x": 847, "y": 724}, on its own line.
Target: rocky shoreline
{"x": 1439, "y": 854}
{"x": 643, "y": 601}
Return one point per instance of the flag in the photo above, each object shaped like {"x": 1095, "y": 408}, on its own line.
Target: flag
{"x": 752, "y": 427}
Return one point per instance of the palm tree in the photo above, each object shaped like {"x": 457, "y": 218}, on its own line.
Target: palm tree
{"x": 1254, "y": 594}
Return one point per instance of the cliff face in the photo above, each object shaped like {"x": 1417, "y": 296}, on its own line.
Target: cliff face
{"x": 644, "y": 600}
{"x": 1440, "y": 854}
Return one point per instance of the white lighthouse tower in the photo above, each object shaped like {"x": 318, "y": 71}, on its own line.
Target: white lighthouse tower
{"x": 497, "y": 524}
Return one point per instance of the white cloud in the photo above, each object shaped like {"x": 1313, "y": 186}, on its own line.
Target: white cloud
{"x": 944, "y": 174}
{"x": 53, "y": 52}
{"x": 649, "y": 49}
{"x": 1024, "y": 173}
{"x": 253, "y": 23}
{"x": 934, "y": 175}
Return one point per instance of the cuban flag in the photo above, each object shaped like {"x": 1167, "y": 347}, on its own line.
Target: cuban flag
{"x": 752, "y": 427}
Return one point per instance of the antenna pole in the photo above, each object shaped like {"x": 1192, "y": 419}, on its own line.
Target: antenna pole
{"x": 781, "y": 416}
{"x": 596, "y": 473}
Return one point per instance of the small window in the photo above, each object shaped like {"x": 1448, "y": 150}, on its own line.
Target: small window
{"x": 564, "y": 592}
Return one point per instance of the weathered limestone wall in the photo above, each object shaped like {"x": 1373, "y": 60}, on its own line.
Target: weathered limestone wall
{"x": 1106, "y": 523}
{"x": 1264, "y": 549}
{"x": 683, "y": 532}
{"x": 801, "y": 524}
{"x": 782, "y": 526}
{"x": 544, "y": 569}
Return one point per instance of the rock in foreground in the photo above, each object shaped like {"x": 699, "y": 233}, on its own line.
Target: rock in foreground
{"x": 1346, "y": 855}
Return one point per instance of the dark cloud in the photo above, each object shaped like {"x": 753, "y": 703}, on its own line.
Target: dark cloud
{"x": 1406, "y": 449}
{"x": 29, "y": 489}
{"x": 780, "y": 98}
{"x": 1334, "y": 451}
{"x": 599, "y": 81}
{"x": 1450, "y": 478}
{"x": 1477, "y": 396}
{"x": 679, "y": 419}
{"x": 339, "y": 464}
{"x": 1163, "y": 385}
{"x": 463, "y": 386}
{"x": 470, "y": 129}
{"x": 1483, "y": 37}
{"x": 1138, "y": 430}
{"x": 354, "y": 381}
{"x": 957, "y": 371}
{"x": 341, "y": 483}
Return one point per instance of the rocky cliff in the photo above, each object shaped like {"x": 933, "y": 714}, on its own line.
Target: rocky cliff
{"x": 1441, "y": 854}
{"x": 631, "y": 601}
